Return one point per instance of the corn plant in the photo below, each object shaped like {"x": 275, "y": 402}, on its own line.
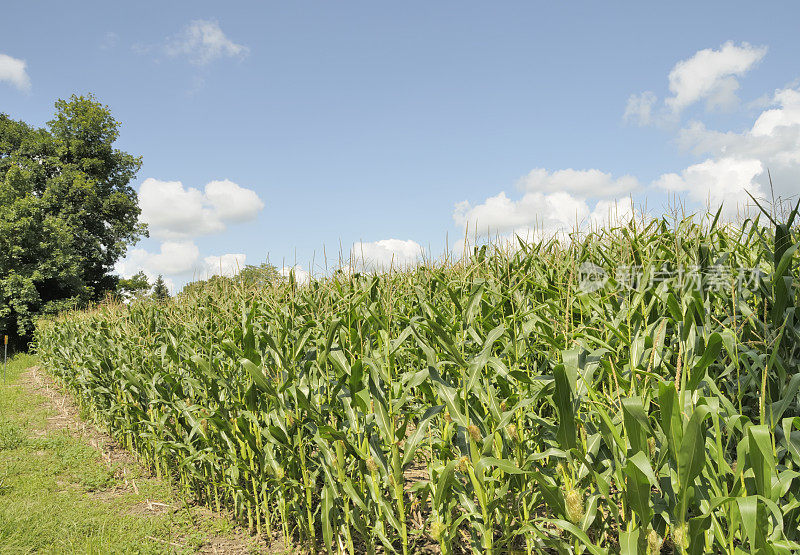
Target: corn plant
{"x": 489, "y": 405}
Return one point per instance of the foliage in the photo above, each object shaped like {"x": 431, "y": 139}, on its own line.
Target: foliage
{"x": 134, "y": 287}
{"x": 67, "y": 212}
{"x": 264, "y": 275}
{"x": 160, "y": 291}
{"x": 491, "y": 404}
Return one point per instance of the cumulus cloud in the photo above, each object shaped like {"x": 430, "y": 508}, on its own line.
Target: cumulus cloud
{"x": 731, "y": 164}
{"x": 385, "y": 254}
{"x": 300, "y": 275}
{"x": 173, "y": 258}
{"x": 736, "y": 162}
{"x": 639, "y": 109}
{"x": 179, "y": 259}
{"x": 611, "y": 212}
{"x": 224, "y": 265}
{"x": 500, "y": 214}
{"x": 537, "y": 214}
{"x": 711, "y": 75}
{"x": 175, "y": 212}
{"x": 717, "y": 182}
{"x": 786, "y": 115}
{"x": 231, "y": 202}
{"x": 13, "y": 70}
{"x": 585, "y": 183}
{"x": 203, "y": 42}
{"x": 552, "y": 202}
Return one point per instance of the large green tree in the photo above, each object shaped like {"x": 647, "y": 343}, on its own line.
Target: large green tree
{"x": 67, "y": 212}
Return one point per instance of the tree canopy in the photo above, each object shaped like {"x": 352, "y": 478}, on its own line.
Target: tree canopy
{"x": 134, "y": 287}
{"x": 67, "y": 212}
{"x": 251, "y": 276}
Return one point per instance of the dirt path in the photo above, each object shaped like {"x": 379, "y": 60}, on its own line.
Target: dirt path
{"x": 128, "y": 487}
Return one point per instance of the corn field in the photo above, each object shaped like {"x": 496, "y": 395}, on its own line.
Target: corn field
{"x": 487, "y": 405}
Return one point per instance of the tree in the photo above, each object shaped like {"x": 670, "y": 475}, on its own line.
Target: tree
{"x": 67, "y": 212}
{"x": 261, "y": 275}
{"x": 160, "y": 291}
{"x": 133, "y": 287}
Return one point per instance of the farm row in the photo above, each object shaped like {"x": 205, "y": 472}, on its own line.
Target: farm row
{"x": 506, "y": 401}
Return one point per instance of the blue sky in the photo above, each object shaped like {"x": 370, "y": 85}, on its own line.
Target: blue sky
{"x": 326, "y": 124}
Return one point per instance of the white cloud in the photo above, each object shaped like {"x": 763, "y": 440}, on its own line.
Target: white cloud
{"x": 224, "y": 265}
{"x": 231, "y": 202}
{"x": 14, "y": 71}
{"x": 585, "y": 183}
{"x": 173, "y": 258}
{"x": 131, "y": 264}
{"x": 385, "y": 254}
{"x": 172, "y": 211}
{"x": 301, "y": 276}
{"x": 639, "y": 109}
{"x": 711, "y": 75}
{"x": 175, "y": 212}
{"x": 178, "y": 259}
{"x": 724, "y": 181}
{"x": 773, "y": 141}
{"x": 552, "y": 202}
{"x": 611, "y": 212}
{"x": 500, "y": 214}
{"x": 775, "y": 120}
{"x": 202, "y": 42}
{"x": 536, "y": 215}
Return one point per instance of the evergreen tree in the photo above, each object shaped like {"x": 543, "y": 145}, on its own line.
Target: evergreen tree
{"x": 160, "y": 291}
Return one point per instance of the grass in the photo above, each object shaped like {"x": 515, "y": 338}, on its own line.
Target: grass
{"x": 58, "y": 495}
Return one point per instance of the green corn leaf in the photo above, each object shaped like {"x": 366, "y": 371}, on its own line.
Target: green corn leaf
{"x": 670, "y": 415}
{"x": 788, "y": 396}
{"x": 339, "y": 362}
{"x": 791, "y": 438}
{"x": 506, "y": 466}
{"x": 640, "y": 479}
{"x": 629, "y": 542}
{"x": 692, "y": 452}
{"x": 444, "y": 482}
{"x": 761, "y": 458}
{"x": 751, "y": 521}
{"x": 713, "y": 347}
{"x": 257, "y": 375}
{"x": 637, "y": 424}
{"x": 579, "y": 534}
{"x": 327, "y": 517}
{"x": 414, "y": 440}
{"x": 566, "y": 415}
{"x": 697, "y": 528}
{"x": 450, "y": 397}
